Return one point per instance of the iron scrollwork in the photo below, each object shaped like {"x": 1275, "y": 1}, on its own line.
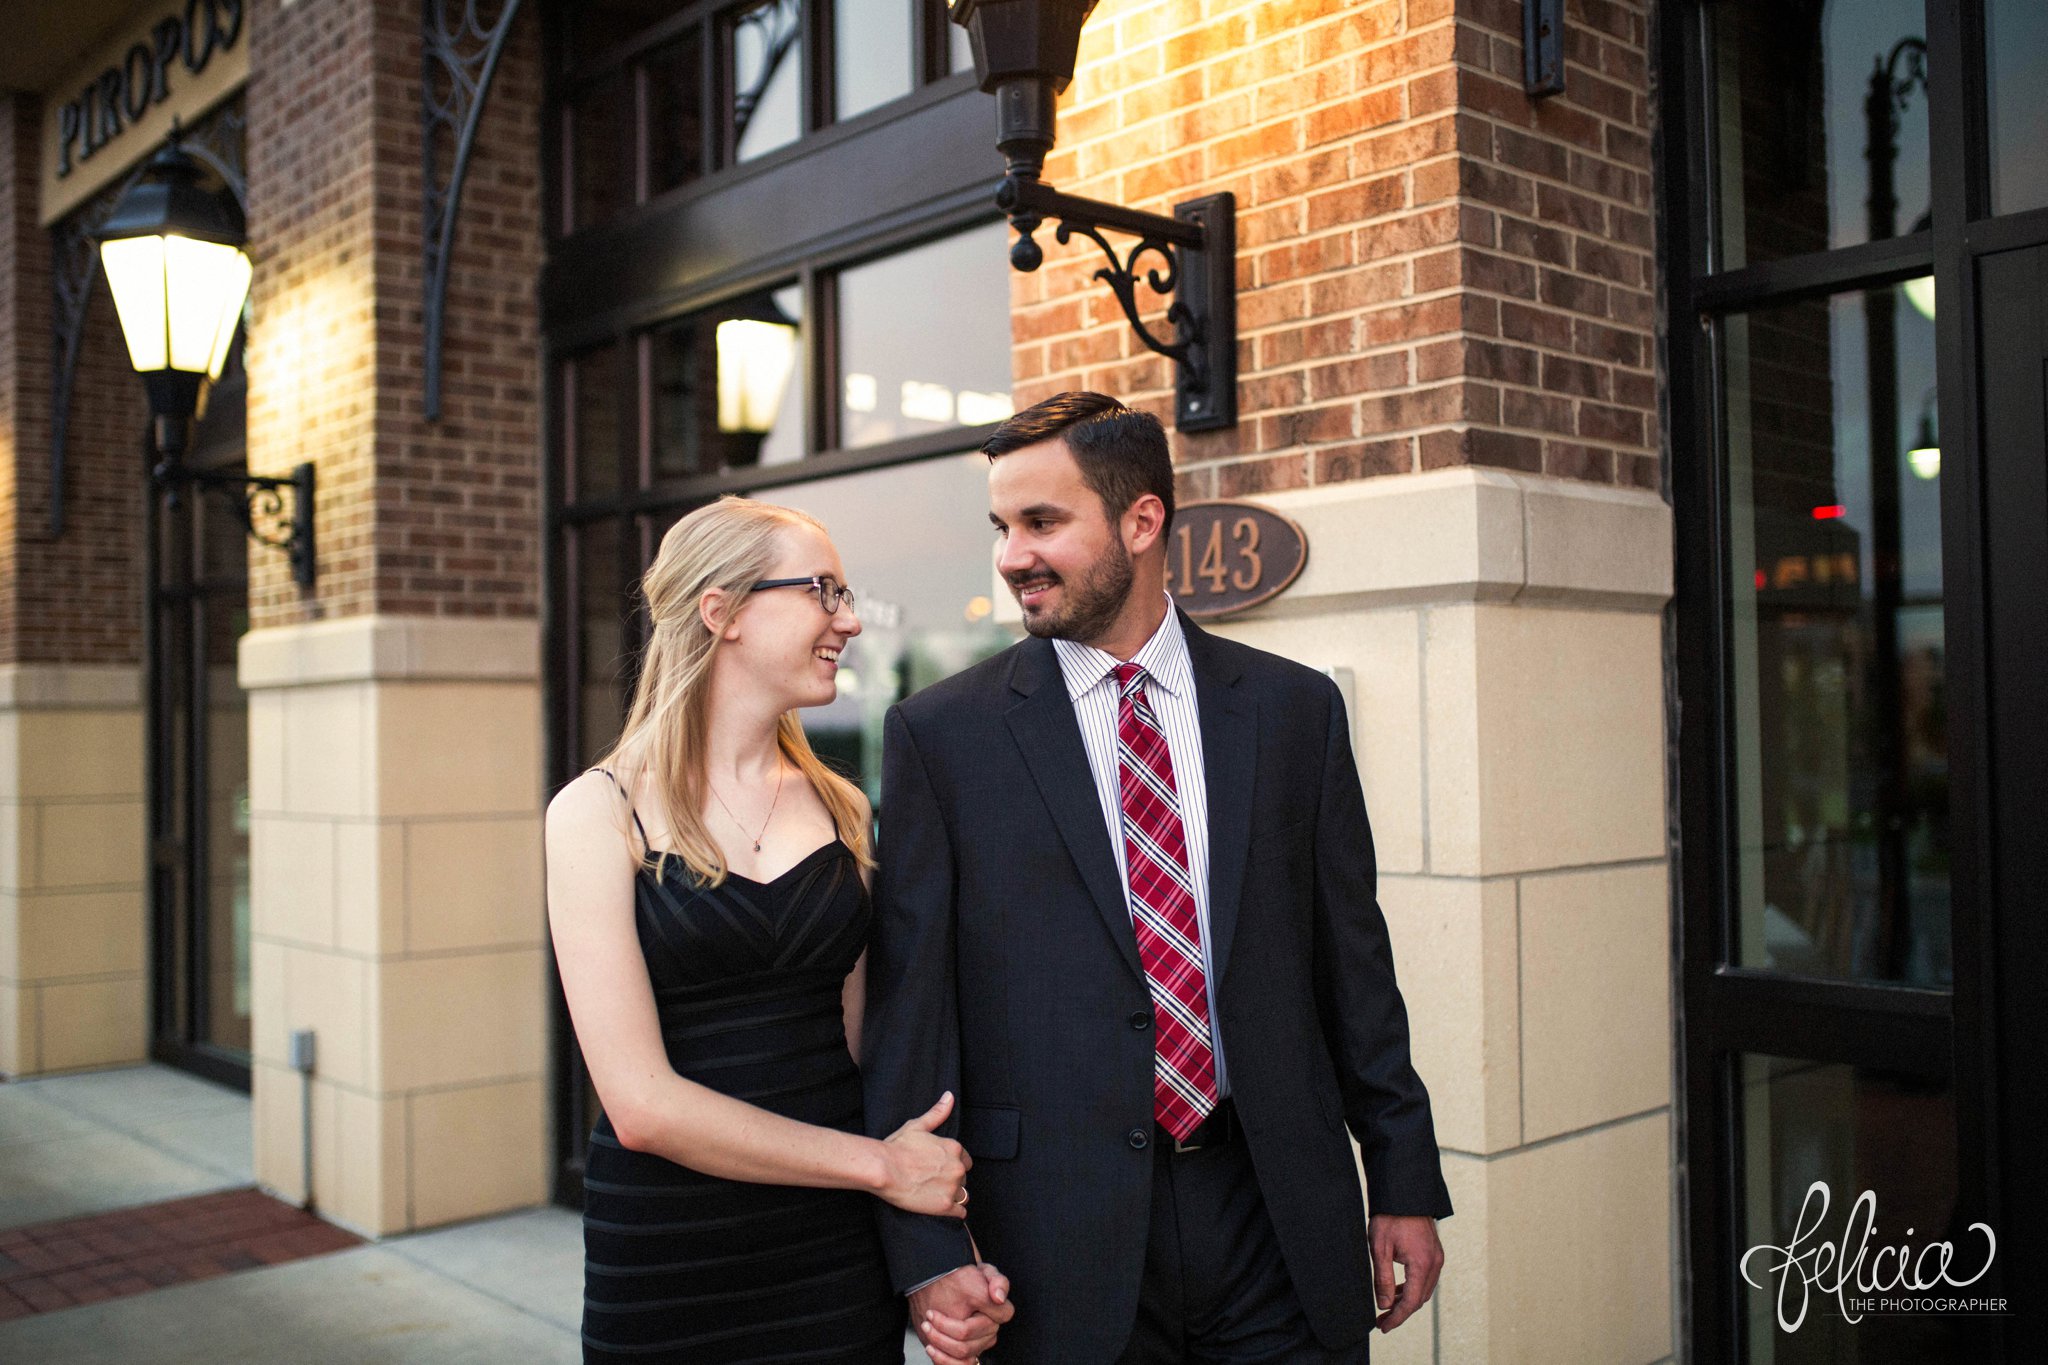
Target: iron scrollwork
{"x": 459, "y": 58}
{"x": 1197, "y": 249}
{"x": 257, "y": 503}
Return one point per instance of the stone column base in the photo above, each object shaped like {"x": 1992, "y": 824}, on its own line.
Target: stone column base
{"x": 398, "y": 912}
{"x": 73, "y": 943}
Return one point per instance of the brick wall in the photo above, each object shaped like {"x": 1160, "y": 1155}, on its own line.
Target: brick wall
{"x": 1432, "y": 268}
{"x": 77, "y": 599}
{"x": 414, "y": 517}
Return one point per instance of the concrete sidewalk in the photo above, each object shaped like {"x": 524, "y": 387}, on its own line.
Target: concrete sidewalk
{"x": 501, "y": 1291}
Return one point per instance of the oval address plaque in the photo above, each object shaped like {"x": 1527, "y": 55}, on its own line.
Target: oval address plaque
{"x": 1222, "y": 557}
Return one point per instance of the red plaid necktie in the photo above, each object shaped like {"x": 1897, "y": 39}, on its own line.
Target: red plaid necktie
{"x": 1163, "y": 913}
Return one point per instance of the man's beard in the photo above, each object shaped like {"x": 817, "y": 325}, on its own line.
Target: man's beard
{"x": 1091, "y": 602}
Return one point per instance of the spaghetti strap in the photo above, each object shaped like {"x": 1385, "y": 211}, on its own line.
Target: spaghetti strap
{"x": 629, "y": 807}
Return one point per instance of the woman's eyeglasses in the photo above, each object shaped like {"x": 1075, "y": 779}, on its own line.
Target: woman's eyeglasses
{"x": 829, "y": 591}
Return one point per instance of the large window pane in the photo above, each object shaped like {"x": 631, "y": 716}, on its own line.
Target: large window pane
{"x": 603, "y": 612}
{"x": 924, "y": 339}
{"x": 675, "y": 113}
{"x": 1854, "y": 1130}
{"x": 1837, "y": 667}
{"x": 598, "y": 385}
{"x": 728, "y": 386}
{"x": 1795, "y": 149}
{"x": 925, "y": 605}
{"x": 594, "y": 27}
{"x": 2016, "y": 44}
{"x": 871, "y": 53}
{"x": 767, "y": 77}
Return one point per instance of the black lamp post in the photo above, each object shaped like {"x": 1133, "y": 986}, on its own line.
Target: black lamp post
{"x": 1024, "y": 56}
{"x": 172, "y": 252}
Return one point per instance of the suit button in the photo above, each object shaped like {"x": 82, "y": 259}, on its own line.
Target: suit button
{"x": 1139, "y": 1139}
{"x": 1142, "y": 1019}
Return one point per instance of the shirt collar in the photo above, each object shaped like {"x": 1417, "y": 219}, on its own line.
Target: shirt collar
{"x": 1164, "y": 658}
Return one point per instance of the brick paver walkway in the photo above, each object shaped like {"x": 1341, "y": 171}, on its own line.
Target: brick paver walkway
{"x": 48, "y": 1266}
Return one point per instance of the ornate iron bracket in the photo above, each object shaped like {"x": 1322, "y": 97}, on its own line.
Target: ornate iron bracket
{"x": 459, "y": 58}
{"x": 257, "y": 502}
{"x": 75, "y": 268}
{"x": 1197, "y": 251}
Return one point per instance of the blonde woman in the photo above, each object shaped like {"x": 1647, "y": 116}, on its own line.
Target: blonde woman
{"x": 707, "y": 897}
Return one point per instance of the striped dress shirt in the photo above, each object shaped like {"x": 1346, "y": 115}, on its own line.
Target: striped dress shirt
{"x": 1170, "y": 688}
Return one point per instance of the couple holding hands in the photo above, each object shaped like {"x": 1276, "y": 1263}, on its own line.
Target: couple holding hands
{"x": 1116, "y": 972}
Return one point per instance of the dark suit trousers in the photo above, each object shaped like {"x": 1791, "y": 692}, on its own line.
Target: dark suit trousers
{"x": 1215, "y": 1287}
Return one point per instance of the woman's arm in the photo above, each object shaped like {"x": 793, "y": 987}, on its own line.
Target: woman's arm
{"x": 604, "y": 975}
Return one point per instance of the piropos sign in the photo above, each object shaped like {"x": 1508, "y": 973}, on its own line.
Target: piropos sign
{"x": 175, "y": 61}
{"x": 1225, "y": 557}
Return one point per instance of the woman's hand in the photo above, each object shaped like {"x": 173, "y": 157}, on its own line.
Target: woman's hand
{"x": 922, "y": 1172}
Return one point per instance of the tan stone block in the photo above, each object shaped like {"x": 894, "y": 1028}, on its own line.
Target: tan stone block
{"x": 17, "y": 844}
{"x": 19, "y": 1039}
{"x": 73, "y": 754}
{"x": 1381, "y": 649}
{"x": 274, "y": 1110}
{"x": 473, "y": 884}
{"x": 1596, "y": 996}
{"x": 1454, "y": 957}
{"x": 478, "y": 1150}
{"x": 291, "y": 880}
{"x": 93, "y": 1023}
{"x": 268, "y": 1034}
{"x": 330, "y": 993}
{"x": 461, "y": 1019}
{"x": 326, "y": 739}
{"x": 369, "y": 886}
{"x": 1578, "y": 1261}
{"x": 1546, "y": 738}
{"x": 1447, "y": 535}
{"x": 464, "y": 748}
{"x": 79, "y": 933}
{"x": 1591, "y": 543}
{"x": 266, "y": 753}
{"x": 365, "y": 1163}
{"x": 89, "y": 843}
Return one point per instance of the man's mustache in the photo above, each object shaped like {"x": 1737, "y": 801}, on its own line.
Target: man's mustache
{"x": 1018, "y": 580}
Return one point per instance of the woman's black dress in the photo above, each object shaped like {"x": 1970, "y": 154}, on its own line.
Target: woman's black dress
{"x": 685, "y": 1267}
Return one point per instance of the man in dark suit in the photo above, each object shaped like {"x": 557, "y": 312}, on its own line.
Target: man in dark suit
{"x": 1126, "y": 913}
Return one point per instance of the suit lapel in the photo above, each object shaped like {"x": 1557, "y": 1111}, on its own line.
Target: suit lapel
{"x": 1230, "y": 748}
{"x": 1049, "y": 737}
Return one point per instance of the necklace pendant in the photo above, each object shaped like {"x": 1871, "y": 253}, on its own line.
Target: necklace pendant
{"x": 757, "y": 848}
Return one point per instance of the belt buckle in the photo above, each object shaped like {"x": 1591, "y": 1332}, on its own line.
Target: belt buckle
{"x": 1179, "y": 1146}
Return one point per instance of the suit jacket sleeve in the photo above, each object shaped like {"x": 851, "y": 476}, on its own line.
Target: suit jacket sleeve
{"x": 911, "y": 1037}
{"x": 1364, "y": 1022}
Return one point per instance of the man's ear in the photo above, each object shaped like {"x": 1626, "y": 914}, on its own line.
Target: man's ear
{"x": 1144, "y": 522}
{"x": 719, "y": 613}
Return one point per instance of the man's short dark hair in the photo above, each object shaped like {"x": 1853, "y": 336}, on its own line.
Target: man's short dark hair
{"x": 1122, "y": 452}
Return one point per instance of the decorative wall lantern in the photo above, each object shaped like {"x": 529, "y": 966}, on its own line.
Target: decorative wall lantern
{"x": 1024, "y": 56}
{"x": 755, "y": 358}
{"x": 172, "y": 251}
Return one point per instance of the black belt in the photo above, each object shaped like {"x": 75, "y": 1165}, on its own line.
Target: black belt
{"x": 1217, "y": 1129}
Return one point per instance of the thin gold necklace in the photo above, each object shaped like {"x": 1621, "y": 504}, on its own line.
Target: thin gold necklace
{"x": 771, "y": 805}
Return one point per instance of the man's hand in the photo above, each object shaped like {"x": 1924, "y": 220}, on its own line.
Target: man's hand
{"x": 956, "y": 1317}
{"x": 1411, "y": 1240}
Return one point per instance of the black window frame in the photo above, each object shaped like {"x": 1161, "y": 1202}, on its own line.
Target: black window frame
{"x": 1725, "y": 1010}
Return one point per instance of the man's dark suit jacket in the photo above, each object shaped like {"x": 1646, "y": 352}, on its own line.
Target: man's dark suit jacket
{"x": 1004, "y": 968}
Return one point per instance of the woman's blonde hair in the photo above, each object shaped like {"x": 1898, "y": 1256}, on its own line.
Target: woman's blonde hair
{"x": 732, "y": 544}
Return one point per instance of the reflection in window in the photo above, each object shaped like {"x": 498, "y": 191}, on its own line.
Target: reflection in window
{"x": 727, "y": 391}
{"x": 602, "y": 612}
{"x": 871, "y": 51}
{"x": 925, "y": 605}
{"x": 593, "y": 27}
{"x": 924, "y": 339}
{"x": 599, "y": 432}
{"x": 1836, "y": 643}
{"x": 1856, "y": 1130}
{"x": 2016, "y": 46}
{"x": 1795, "y": 150}
{"x": 675, "y": 113}
{"x": 767, "y": 77}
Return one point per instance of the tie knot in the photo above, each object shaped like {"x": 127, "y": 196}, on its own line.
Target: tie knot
{"x": 1129, "y": 677}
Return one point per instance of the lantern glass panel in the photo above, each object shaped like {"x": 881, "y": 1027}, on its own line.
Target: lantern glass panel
{"x": 135, "y": 274}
